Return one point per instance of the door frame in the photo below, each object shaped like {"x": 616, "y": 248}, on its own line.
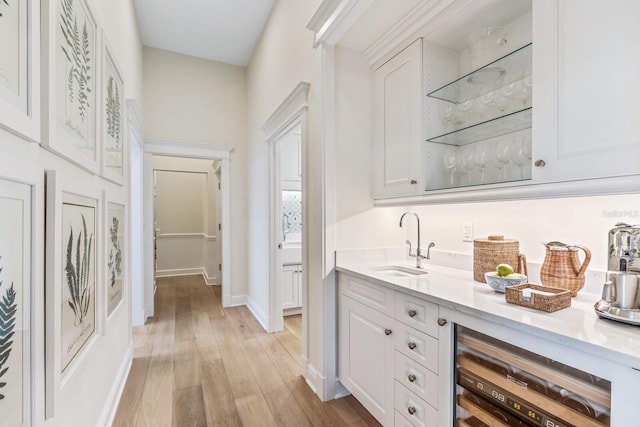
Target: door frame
{"x": 162, "y": 147}
{"x": 291, "y": 113}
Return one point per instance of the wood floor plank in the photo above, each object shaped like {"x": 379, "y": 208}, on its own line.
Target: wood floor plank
{"x": 188, "y": 408}
{"x": 157, "y": 398}
{"x": 185, "y": 365}
{"x": 132, "y": 393}
{"x": 294, "y": 325}
{"x": 220, "y": 407}
{"x": 254, "y": 411}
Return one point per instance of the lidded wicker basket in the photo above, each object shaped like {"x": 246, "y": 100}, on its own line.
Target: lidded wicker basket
{"x": 494, "y": 250}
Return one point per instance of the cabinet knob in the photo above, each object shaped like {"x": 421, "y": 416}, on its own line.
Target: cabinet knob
{"x": 388, "y": 331}
{"x": 411, "y": 410}
{"x": 540, "y": 163}
{"x": 413, "y": 182}
{"x": 411, "y": 345}
{"x": 442, "y": 321}
{"x": 411, "y": 378}
{"x": 412, "y": 313}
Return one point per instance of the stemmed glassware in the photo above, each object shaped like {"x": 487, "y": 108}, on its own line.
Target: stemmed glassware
{"x": 449, "y": 158}
{"x": 482, "y": 160}
{"x": 468, "y": 162}
{"x": 520, "y": 159}
{"x": 504, "y": 155}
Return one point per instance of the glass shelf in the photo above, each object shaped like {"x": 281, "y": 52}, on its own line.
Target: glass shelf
{"x": 502, "y": 125}
{"x": 505, "y": 70}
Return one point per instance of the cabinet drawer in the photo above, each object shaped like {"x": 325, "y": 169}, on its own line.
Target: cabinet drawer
{"x": 372, "y": 295}
{"x": 414, "y": 409}
{"x": 417, "y": 346}
{"x": 417, "y": 378}
{"x": 418, "y": 313}
{"x": 400, "y": 421}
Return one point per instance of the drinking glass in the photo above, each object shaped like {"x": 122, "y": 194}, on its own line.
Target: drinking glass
{"x": 504, "y": 154}
{"x": 449, "y": 160}
{"x": 462, "y": 171}
{"x": 468, "y": 162}
{"x": 482, "y": 160}
{"x": 520, "y": 160}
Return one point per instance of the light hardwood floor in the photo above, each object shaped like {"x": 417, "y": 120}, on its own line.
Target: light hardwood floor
{"x": 197, "y": 364}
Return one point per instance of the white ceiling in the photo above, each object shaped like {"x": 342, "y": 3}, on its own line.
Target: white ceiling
{"x": 219, "y": 30}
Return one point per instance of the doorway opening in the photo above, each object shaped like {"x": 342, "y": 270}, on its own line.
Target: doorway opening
{"x": 220, "y": 157}
{"x": 187, "y": 218}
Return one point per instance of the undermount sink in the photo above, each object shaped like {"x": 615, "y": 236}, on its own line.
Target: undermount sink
{"x": 399, "y": 271}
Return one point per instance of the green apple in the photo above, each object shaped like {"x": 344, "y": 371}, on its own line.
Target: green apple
{"x": 514, "y": 276}
{"x": 504, "y": 270}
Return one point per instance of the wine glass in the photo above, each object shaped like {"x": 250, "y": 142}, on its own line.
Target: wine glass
{"x": 468, "y": 162}
{"x": 520, "y": 159}
{"x": 482, "y": 160}
{"x": 449, "y": 158}
{"x": 504, "y": 154}
{"x": 462, "y": 171}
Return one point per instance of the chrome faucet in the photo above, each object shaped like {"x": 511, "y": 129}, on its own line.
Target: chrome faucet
{"x": 418, "y": 255}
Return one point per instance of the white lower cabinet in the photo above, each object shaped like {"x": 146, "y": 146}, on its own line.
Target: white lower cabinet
{"x": 366, "y": 357}
{"x": 291, "y": 284}
{"x": 388, "y": 365}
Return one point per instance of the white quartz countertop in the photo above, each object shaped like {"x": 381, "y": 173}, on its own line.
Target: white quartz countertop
{"x": 577, "y": 326}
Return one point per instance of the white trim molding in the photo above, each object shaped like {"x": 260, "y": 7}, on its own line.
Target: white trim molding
{"x": 115, "y": 394}
{"x": 331, "y": 22}
{"x": 286, "y": 113}
{"x": 167, "y": 147}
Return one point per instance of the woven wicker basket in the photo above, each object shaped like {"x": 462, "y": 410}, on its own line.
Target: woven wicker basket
{"x": 560, "y": 299}
{"x": 494, "y": 250}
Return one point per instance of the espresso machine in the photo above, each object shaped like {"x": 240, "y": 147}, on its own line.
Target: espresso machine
{"x": 621, "y": 291}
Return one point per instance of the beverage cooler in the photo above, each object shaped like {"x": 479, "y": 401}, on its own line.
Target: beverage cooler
{"x": 499, "y": 384}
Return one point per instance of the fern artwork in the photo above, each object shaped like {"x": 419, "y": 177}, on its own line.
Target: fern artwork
{"x": 2, "y": 4}
{"x": 114, "y": 256}
{"x": 113, "y": 116}
{"x": 79, "y": 280}
{"x": 76, "y": 70}
{"x": 14, "y": 305}
{"x": 11, "y": 68}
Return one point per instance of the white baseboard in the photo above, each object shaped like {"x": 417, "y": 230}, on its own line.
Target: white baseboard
{"x": 113, "y": 399}
{"x": 238, "y": 300}
{"x": 314, "y": 379}
{"x": 260, "y": 316}
{"x": 179, "y": 272}
{"x": 210, "y": 280}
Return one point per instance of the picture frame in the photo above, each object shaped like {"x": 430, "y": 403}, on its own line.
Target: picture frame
{"x": 113, "y": 137}
{"x": 115, "y": 246}
{"x": 20, "y": 80}
{"x": 73, "y": 292}
{"x": 16, "y": 308}
{"x": 71, "y": 62}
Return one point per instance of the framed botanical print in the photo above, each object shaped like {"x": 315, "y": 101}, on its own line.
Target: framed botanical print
{"x": 20, "y": 67}
{"x": 72, "y": 295}
{"x": 15, "y": 303}
{"x": 113, "y": 119}
{"x": 114, "y": 259}
{"x": 71, "y": 91}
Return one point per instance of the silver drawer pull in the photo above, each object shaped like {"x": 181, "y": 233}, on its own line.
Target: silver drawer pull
{"x": 412, "y": 313}
{"x": 411, "y": 410}
{"x": 411, "y": 378}
{"x": 411, "y": 345}
{"x": 388, "y": 331}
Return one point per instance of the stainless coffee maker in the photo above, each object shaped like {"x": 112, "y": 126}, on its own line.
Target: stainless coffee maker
{"x": 621, "y": 291}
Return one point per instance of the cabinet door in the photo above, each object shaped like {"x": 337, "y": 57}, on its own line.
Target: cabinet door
{"x": 397, "y": 124}
{"x": 289, "y": 293}
{"x": 290, "y": 169}
{"x": 586, "y": 89}
{"x": 366, "y": 357}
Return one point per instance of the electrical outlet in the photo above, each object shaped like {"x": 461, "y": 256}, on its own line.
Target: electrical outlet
{"x": 467, "y": 232}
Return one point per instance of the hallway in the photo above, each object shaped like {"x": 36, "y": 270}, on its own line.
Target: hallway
{"x": 197, "y": 364}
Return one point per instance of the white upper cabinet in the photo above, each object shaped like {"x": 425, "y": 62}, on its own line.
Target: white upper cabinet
{"x": 587, "y": 98}
{"x": 290, "y": 160}
{"x": 549, "y": 107}
{"x": 397, "y": 124}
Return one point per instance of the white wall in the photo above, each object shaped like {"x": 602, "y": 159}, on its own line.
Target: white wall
{"x": 186, "y": 217}
{"x": 195, "y": 100}
{"x": 283, "y": 58}
{"x": 86, "y": 396}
